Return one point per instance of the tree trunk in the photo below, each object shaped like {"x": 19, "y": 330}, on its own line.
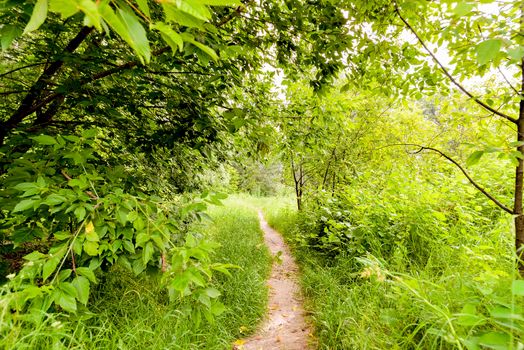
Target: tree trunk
{"x": 298, "y": 184}
{"x": 519, "y": 183}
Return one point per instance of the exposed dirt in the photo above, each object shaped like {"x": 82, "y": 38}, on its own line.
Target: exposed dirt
{"x": 285, "y": 327}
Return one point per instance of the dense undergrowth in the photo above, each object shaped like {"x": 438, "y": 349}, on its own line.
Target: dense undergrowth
{"x": 404, "y": 270}
{"x": 126, "y": 312}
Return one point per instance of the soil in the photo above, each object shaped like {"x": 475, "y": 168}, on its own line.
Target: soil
{"x": 285, "y": 327}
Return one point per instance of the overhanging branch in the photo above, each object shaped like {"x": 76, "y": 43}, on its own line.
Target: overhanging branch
{"x": 448, "y": 74}
{"x": 470, "y": 179}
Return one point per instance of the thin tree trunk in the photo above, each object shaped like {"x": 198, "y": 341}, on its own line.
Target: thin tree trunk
{"x": 298, "y": 193}
{"x": 519, "y": 183}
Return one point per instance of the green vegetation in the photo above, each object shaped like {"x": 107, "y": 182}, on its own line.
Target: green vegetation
{"x": 459, "y": 295}
{"x": 395, "y": 128}
{"x": 130, "y": 313}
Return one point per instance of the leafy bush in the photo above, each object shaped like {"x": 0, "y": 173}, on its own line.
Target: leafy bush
{"x": 67, "y": 218}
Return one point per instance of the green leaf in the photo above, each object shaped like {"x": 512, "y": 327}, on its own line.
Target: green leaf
{"x": 148, "y": 252}
{"x": 66, "y": 8}
{"x": 38, "y": 17}
{"x": 138, "y": 224}
{"x": 142, "y": 238}
{"x": 488, "y": 50}
{"x": 217, "y": 308}
{"x": 63, "y": 275}
{"x": 24, "y": 205}
{"x": 191, "y": 241}
{"x": 121, "y": 215}
{"x": 463, "y": 8}
{"x": 80, "y": 213}
{"x": 45, "y": 140}
{"x": 144, "y": 7}
{"x": 89, "y": 133}
{"x": 81, "y": 285}
{"x": 495, "y": 340}
{"x": 180, "y": 282}
{"x": 223, "y": 268}
{"x": 205, "y": 300}
{"x": 91, "y": 248}
{"x": 91, "y": 234}
{"x": 66, "y": 301}
{"x": 92, "y": 15}
{"x": 124, "y": 262}
{"x": 51, "y": 264}
{"x": 469, "y": 317}
{"x": 136, "y": 32}
{"x": 474, "y": 158}
{"x": 196, "y": 278}
{"x": 87, "y": 272}
{"x": 516, "y": 53}
{"x": 8, "y": 33}
{"x": 55, "y": 199}
{"x": 209, "y": 51}
{"x": 138, "y": 266}
{"x": 128, "y": 245}
{"x": 212, "y": 292}
{"x": 517, "y": 287}
{"x": 221, "y": 2}
{"x": 34, "y": 256}
{"x": 24, "y": 186}
{"x": 194, "y": 9}
{"x": 172, "y": 38}
{"x": 158, "y": 241}
{"x": 181, "y": 18}
{"x": 67, "y": 288}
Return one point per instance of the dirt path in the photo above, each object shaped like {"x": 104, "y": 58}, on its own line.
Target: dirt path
{"x": 285, "y": 327}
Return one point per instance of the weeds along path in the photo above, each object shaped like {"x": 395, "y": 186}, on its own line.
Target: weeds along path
{"x": 285, "y": 327}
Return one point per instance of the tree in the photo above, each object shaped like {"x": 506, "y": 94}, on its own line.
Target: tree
{"x": 479, "y": 39}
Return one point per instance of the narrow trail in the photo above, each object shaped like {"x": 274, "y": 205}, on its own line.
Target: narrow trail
{"x": 285, "y": 327}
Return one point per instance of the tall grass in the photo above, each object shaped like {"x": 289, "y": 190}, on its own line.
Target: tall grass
{"x": 460, "y": 297}
{"x": 134, "y": 313}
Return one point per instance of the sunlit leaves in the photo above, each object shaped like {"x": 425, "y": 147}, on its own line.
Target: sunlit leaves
{"x": 38, "y": 17}
{"x": 66, "y": 8}
{"x": 488, "y": 50}
{"x": 463, "y": 8}
{"x": 126, "y": 25}
{"x": 144, "y": 7}
{"x": 128, "y": 22}
{"x": 136, "y": 32}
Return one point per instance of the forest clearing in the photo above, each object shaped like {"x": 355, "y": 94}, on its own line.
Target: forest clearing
{"x": 261, "y": 174}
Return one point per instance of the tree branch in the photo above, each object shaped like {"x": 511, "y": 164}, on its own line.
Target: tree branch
{"x": 27, "y": 106}
{"x": 473, "y": 182}
{"x": 20, "y": 68}
{"x": 448, "y": 74}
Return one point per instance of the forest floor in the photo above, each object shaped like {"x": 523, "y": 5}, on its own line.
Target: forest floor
{"x": 285, "y": 326}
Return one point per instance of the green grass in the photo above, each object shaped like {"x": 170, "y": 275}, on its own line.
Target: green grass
{"x": 134, "y": 313}
{"x": 407, "y": 309}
